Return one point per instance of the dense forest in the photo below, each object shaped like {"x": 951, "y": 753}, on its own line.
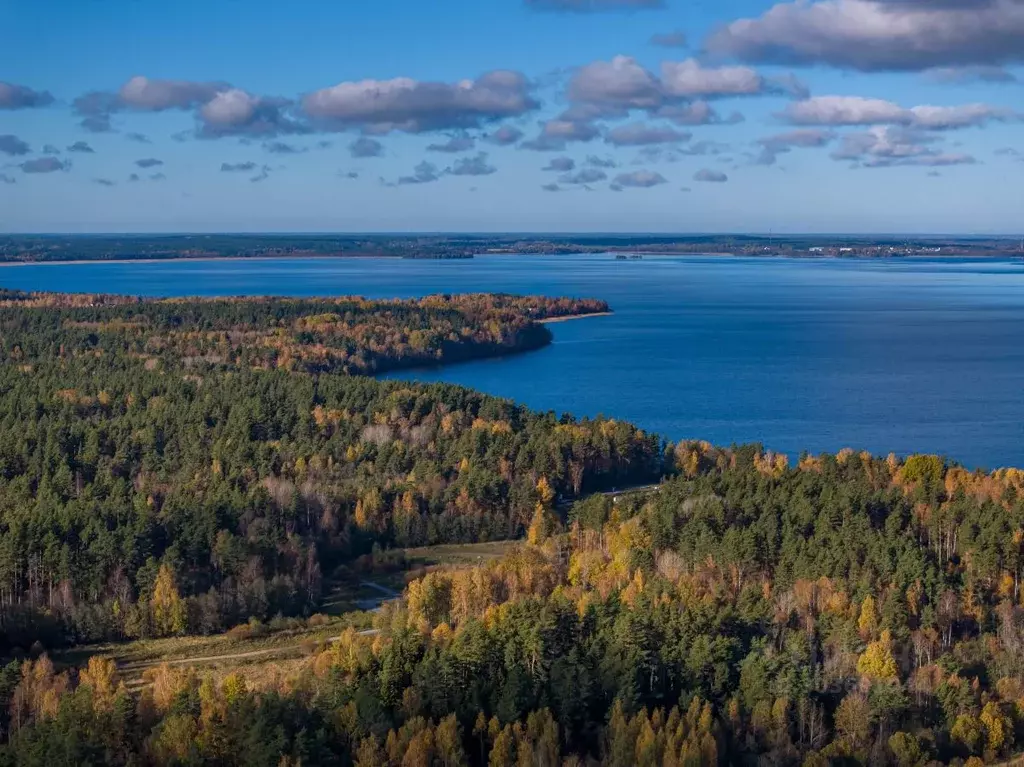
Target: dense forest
{"x": 844, "y": 610}
{"x": 171, "y": 466}
{"x": 850, "y": 610}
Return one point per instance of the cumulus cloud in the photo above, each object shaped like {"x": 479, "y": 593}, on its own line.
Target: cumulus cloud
{"x": 856, "y": 110}
{"x": 364, "y": 146}
{"x": 952, "y": 118}
{"x": 692, "y": 80}
{"x": 696, "y": 113}
{"x": 977, "y": 73}
{"x": 601, "y": 162}
{"x": 424, "y": 173}
{"x": 13, "y": 145}
{"x": 610, "y": 89}
{"x": 705, "y": 147}
{"x": 103, "y": 182}
{"x": 844, "y": 110}
{"x": 889, "y": 146}
{"x": 22, "y": 97}
{"x": 82, "y": 147}
{"x": 133, "y": 177}
{"x": 351, "y": 175}
{"x": 560, "y": 164}
{"x": 642, "y": 134}
{"x": 229, "y": 107}
{"x": 505, "y": 135}
{"x": 677, "y": 152}
{"x": 139, "y": 138}
{"x": 552, "y": 187}
{"x": 593, "y": 6}
{"x": 44, "y": 165}
{"x": 639, "y": 179}
{"x": 263, "y": 175}
{"x": 157, "y": 177}
{"x": 149, "y": 162}
{"x": 584, "y": 176}
{"x": 675, "y": 39}
{"x": 798, "y": 138}
{"x": 879, "y": 35}
{"x": 413, "y": 106}
{"x": 95, "y": 109}
{"x": 5, "y": 179}
{"x": 235, "y": 112}
{"x": 460, "y": 142}
{"x": 221, "y": 110}
{"x": 50, "y": 149}
{"x": 150, "y": 95}
{"x": 282, "y": 147}
{"x": 710, "y": 176}
{"x": 555, "y": 134}
{"x": 773, "y": 146}
{"x": 238, "y": 167}
{"x": 472, "y": 166}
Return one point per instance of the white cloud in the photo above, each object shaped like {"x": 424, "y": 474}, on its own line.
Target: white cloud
{"x": 870, "y": 35}
{"x": 413, "y": 106}
{"x": 856, "y": 110}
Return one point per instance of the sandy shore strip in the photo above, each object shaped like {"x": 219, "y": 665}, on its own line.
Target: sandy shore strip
{"x": 171, "y": 259}
{"x": 568, "y": 317}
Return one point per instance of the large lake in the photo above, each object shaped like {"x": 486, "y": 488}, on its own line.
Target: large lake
{"x": 901, "y": 355}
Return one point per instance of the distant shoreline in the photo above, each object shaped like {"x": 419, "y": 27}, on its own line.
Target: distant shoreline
{"x": 191, "y": 259}
{"x": 1008, "y": 256}
{"x": 569, "y": 317}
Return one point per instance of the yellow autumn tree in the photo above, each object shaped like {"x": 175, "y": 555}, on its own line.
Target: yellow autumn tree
{"x": 867, "y": 625}
{"x": 966, "y": 730}
{"x": 369, "y": 753}
{"x": 167, "y": 608}
{"x": 542, "y": 526}
{"x": 102, "y": 678}
{"x": 998, "y": 728}
{"x": 545, "y": 495}
{"x": 853, "y": 720}
{"x": 544, "y": 522}
{"x": 877, "y": 661}
{"x": 37, "y": 695}
{"x": 448, "y": 742}
{"x": 369, "y": 514}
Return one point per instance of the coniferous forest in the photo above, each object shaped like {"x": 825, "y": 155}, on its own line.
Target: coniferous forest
{"x": 180, "y": 467}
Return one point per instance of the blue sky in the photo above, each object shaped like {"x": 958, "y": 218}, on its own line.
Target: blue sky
{"x": 512, "y": 115}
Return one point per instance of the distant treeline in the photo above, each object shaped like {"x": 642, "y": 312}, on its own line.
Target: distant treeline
{"x": 27, "y": 248}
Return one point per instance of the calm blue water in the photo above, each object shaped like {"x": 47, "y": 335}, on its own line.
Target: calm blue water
{"x": 903, "y": 356}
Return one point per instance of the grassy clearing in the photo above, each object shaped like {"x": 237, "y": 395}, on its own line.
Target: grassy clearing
{"x": 264, "y": 651}
{"x": 457, "y": 555}
{"x": 253, "y": 644}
